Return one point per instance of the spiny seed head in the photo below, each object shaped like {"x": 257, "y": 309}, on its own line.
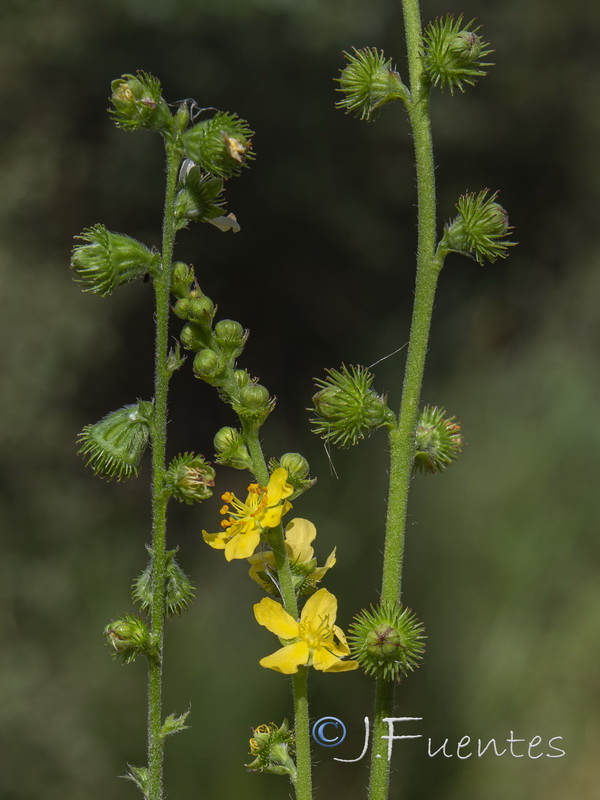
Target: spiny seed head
{"x": 346, "y": 407}
{"x": 438, "y": 440}
{"x": 114, "y": 447}
{"x": 368, "y": 81}
{"x": 220, "y": 145}
{"x": 138, "y": 104}
{"x": 479, "y": 229}
{"x": 107, "y": 260}
{"x": 190, "y": 478}
{"x": 387, "y": 641}
{"x": 453, "y": 55}
{"x": 129, "y": 637}
{"x": 179, "y": 590}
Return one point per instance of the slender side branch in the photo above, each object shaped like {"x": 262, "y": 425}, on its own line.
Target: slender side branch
{"x": 162, "y": 285}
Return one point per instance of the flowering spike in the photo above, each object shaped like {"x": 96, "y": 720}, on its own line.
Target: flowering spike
{"x": 189, "y": 478}
{"x": 273, "y": 748}
{"x": 129, "y": 637}
{"x": 438, "y": 440}
{"x": 368, "y": 82}
{"x": 453, "y": 55}
{"x": 113, "y": 447}
{"x": 179, "y": 591}
{"x": 479, "y": 229}
{"x": 221, "y": 145}
{"x": 108, "y": 260}
{"x": 138, "y": 104}
{"x": 346, "y": 407}
{"x": 387, "y": 641}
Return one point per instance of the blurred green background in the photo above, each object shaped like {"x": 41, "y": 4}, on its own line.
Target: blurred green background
{"x": 502, "y": 552}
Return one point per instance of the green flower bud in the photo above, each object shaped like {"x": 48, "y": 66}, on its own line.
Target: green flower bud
{"x": 130, "y": 637}
{"x": 114, "y": 447}
{"x": 138, "y": 103}
{"x": 189, "y": 478}
{"x": 347, "y": 408}
{"x": 108, "y": 260}
{"x": 200, "y": 198}
{"x": 182, "y": 118}
{"x": 253, "y": 403}
{"x": 387, "y": 641}
{"x": 297, "y": 469}
{"x": 272, "y": 748}
{"x": 479, "y": 229}
{"x": 368, "y": 82}
{"x": 179, "y": 591}
{"x": 181, "y": 308}
{"x": 201, "y": 310}
{"x": 192, "y": 336}
{"x": 220, "y": 145}
{"x": 438, "y": 440}
{"x": 182, "y": 279}
{"x": 230, "y": 336}
{"x": 231, "y": 450}
{"x": 241, "y": 377}
{"x": 209, "y": 366}
{"x": 453, "y": 55}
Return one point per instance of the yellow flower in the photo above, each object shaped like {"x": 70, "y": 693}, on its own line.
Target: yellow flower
{"x": 264, "y": 508}
{"x": 299, "y": 535}
{"x": 313, "y": 641}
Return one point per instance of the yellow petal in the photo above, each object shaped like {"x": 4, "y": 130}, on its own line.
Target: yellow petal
{"x": 242, "y": 545}
{"x": 320, "y": 571}
{"x": 287, "y": 659}
{"x": 323, "y": 659}
{"x": 342, "y": 666}
{"x": 299, "y": 534}
{"x": 278, "y": 488}
{"x": 271, "y": 517}
{"x": 320, "y": 606}
{"x": 216, "y": 540}
{"x": 261, "y": 563}
{"x": 275, "y": 619}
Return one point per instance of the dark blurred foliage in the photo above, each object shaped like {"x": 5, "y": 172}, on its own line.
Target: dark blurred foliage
{"x": 502, "y": 553}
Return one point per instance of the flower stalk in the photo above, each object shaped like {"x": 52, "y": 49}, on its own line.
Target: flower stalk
{"x": 162, "y": 287}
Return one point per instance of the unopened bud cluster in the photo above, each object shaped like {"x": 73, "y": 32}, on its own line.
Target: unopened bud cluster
{"x": 387, "y": 641}
{"x": 346, "y": 408}
{"x": 217, "y": 346}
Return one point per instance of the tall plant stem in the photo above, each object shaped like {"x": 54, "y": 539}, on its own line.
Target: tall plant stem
{"x": 162, "y": 286}
{"x": 401, "y": 437}
{"x": 303, "y": 781}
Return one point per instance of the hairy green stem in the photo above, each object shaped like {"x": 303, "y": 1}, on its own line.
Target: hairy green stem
{"x": 401, "y": 437}
{"x": 303, "y": 781}
{"x": 162, "y": 286}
